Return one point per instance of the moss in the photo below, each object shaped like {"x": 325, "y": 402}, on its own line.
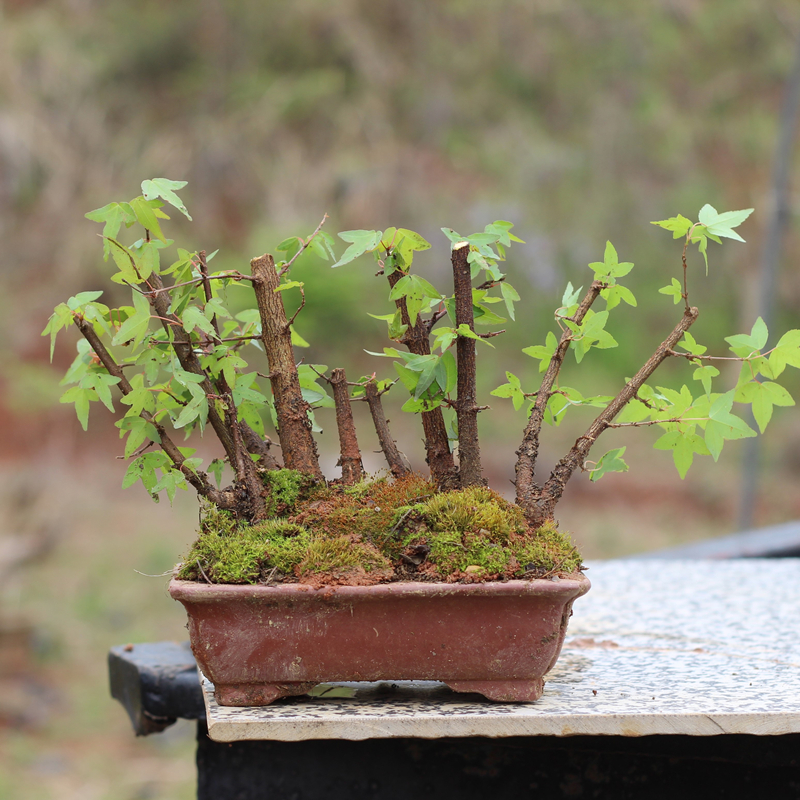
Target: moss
{"x": 456, "y": 552}
{"x": 472, "y": 510}
{"x": 547, "y": 550}
{"x": 343, "y": 554}
{"x": 287, "y": 487}
{"x": 375, "y": 531}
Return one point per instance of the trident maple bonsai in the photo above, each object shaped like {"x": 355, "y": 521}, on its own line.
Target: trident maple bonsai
{"x": 178, "y": 357}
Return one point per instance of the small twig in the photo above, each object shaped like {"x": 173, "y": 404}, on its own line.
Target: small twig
{"x": 692, "y": 357}
{"x": 285, "y": 268}
{"x": 202, "y": 571}
{"x": 488, "y": 284}
{"x": 300, "y": 308}
{"x": 269, "y": 577}
{"x": 489, "y": 335}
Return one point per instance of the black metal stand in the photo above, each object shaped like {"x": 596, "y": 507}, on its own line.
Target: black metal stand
{"x": 157, "y": 684}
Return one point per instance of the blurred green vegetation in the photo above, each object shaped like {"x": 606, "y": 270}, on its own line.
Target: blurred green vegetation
{"x": 576, "y": 120}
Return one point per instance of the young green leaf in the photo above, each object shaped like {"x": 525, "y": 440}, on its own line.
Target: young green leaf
{"x": 684, "y": 445}
{"x": 786, "y": 352}
{"x": 678, "y": 225}
{"x": 610, "y": 267}
{"x": 763, "y": 396}
{"x": 361, "y": 242}
{"x": 609, "y": 462}
{"x": 165, "y": 189}
{"x": 723, "y": 224}
{"x": 146, "y": 216}
{"x": 510, "y": 296}
{"x": 543, "y": 352}
{"x": 674, "y": 290}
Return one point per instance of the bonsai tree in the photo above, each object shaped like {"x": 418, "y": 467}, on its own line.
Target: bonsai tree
{"x": 180, "y": 357}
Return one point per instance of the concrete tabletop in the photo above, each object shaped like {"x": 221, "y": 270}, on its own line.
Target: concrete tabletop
{"x": 656, "y": 647}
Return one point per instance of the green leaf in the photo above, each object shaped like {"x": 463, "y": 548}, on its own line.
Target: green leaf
{"x": 512, "y": 389}
{"x": 362, "y": 242}
{"x": 139, "y": 430}
{"x": 678, "y": 225}
{"x": 194, "y": 318}
{"x": 614, "y": 294}
{"x": 146, "y": 216}
{"x": 426, "y": 376}
{"x": 763, "y": 396}
{"x": 216, "y": 468}
{"x": 750, "y": 343}
{"x": 165, "y": 189}
{"x": 136, "y": 325}
{"x": 101, "y": 382}
{"x": 510, "y": 296}
{"x": 407, "y": 243}
{"x": 81, "y": 397}
{"x": 723, "y": 425}
{"x": 690, "y": 345}
{"x": 297, "y": 339}
{"x": 610, "y": 265}
{"x": 723, "y": 224}
{"x": 451, "y": 369}
{"x": 170, "y": 481}
{"x": 786, "y": 352}
{"x": 60, "y": 318}
{"x": 684, "y": 445}
{"x": 675, "y": 290}
{"x": 454, "y": 237}
{"x": 704, "y": 374}
{"x": 543, "y": 352}
{"x": 609, "y": 462}
{"x": 571, "y": 296}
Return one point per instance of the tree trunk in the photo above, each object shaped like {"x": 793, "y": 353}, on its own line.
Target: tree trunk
{"x": 350, "y": 455}
{"x": 294, "y": 427}
{"x": 393, "y": 456}
{"x": 469, "y": 450}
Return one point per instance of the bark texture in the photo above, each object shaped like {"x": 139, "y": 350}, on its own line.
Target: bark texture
{"x": 437, "y": 446}
{"x": 394, "y": 458}
{"x": 350, "y": 455}
{"x": 294, "y": 427}
{"x": 469, "y": 451}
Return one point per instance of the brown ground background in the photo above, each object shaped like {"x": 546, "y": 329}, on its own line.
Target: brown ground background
{"x": 577, "y": 122}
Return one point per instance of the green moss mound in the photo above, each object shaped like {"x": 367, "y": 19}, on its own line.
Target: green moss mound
{"x": 376, "y": 531}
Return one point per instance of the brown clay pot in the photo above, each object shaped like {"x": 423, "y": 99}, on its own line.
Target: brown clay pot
{"x": 259, "y": 643}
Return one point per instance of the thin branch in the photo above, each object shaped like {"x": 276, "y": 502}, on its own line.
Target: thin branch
{"x": 394, "y": 458}
{"x": 692, "y": 357}
{"x": 199, "y": 480}
{"x": 235, "y": 276}
{"x": 285, "y": 268}
{"x": 300, "y": 308}
{"x": 529, "y": 447}
{"x": 541, "y": 504}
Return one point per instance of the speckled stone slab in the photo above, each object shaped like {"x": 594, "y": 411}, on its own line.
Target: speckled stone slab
{"x": 699, "y": 648}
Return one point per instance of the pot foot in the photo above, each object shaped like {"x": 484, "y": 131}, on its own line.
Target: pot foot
{"x": 258, "y": 694}
{"x": 502, "y": 691}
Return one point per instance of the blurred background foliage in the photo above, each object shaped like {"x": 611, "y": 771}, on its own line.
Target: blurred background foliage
{"x": 578, "y": 121}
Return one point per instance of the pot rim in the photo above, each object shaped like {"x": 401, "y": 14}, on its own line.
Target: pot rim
{"x": 199, "y": 592}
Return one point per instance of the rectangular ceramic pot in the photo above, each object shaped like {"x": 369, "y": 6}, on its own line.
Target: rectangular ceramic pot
{"x": 259, "y": 643}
